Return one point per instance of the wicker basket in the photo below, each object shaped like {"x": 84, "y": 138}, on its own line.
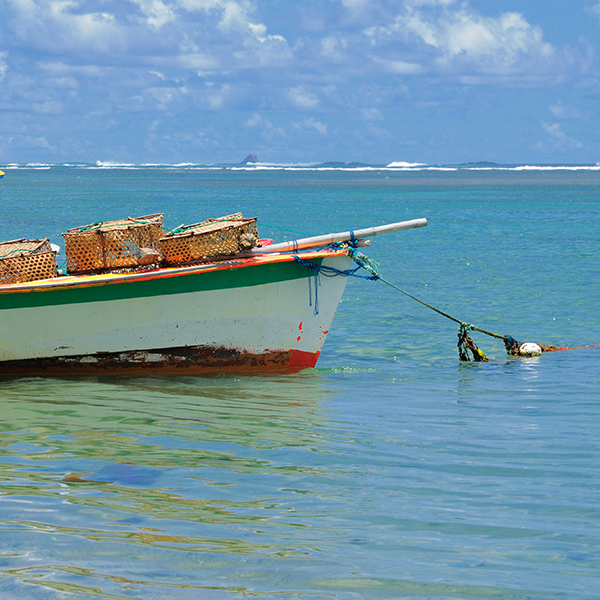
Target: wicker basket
{"x": 111, "y": 245}
{"x": 26, "y": 260}
{"x": 224, "y": 236}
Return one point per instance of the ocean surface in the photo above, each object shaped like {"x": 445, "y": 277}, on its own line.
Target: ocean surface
{"x": 392, "y": 470}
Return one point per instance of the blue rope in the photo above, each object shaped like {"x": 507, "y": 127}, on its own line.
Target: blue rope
{"x": 317, "y": 284}
{"x": 315, "y": 271}
{"x": 332, "y": 271}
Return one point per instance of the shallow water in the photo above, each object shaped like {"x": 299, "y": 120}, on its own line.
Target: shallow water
{"x": 391, "y": 470}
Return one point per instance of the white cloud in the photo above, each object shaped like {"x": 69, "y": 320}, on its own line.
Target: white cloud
{"x": 265, "y": 127}
{"x": 233, "y": 17}
{"x": 554, "y": 130}
{"x": 254, "y": 120}
{"x": 399, "y": 67}
{"x": 333, "y": 47}
{"x": 62, "y": 82}
{"x": 61, "y": 69}
{"x": 24, "y": 141}
{"x": 193, "y": 61}
{"x": 163, "y": 95}
{"x": 197, "y": 34}
{"x": 3, "y": 65}
{"x": 49, "y": 107}
{"x": 458, "y": 37}
{"x": 156, "y": 12}
{"x": 503, "y": 39}
{"x": 302, "y": 98}
{"x": 371, "y": 114}
{"x": 317, "y": 125}
{"x": 412, "y": 37}
{"x": 260, "y": 33}
{"x": 413, "y": 3}
{"x": 559, "y": 137}
{"x": 216, "y": 100}
{"x": 57, "y": 25}
{"x": 561, "y": 111}
{"x": 377, "y": 65}
{"x": 355, "y": 6}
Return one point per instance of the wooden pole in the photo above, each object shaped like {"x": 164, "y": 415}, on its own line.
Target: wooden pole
{"x": 344, "y": 236}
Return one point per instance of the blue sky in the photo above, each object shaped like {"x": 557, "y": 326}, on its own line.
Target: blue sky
{"x": 377, "y": 81}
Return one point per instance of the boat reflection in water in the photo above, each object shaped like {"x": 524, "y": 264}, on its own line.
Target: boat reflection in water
{"x": 179, "y": 473}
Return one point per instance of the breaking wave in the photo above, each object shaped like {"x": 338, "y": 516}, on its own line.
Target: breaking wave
{"x": 396, "y": 166}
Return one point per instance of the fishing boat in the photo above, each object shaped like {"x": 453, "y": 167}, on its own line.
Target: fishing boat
{"x": 268, "y": 309}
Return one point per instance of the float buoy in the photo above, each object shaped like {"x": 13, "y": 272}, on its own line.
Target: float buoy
{"x": 530, "y": 349}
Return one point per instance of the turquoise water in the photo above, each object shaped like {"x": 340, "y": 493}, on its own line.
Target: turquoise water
{"x": 391, "y": 470}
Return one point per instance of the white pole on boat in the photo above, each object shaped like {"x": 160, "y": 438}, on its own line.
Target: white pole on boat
{"x": 344, "y": 236}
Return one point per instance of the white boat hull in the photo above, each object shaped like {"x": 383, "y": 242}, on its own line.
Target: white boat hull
{"x": 264, "y": 313}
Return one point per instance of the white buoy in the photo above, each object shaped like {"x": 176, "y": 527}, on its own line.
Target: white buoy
{"x": 530, "y": 349}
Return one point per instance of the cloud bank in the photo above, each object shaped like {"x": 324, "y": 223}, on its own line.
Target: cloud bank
{"x": 183, "y": 76}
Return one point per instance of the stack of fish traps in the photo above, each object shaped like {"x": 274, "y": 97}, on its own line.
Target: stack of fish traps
{"x": 114, "y": 245}
{"x": 24, "y": 260}
{"x": 220, "y": 237}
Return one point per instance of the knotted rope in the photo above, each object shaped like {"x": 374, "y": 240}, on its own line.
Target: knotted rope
{"x": 315, "y": 271}
{"x": 467, "y": 348}
{"x": 465, "y": 344}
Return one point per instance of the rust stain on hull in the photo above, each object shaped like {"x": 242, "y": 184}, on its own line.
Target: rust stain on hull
{"x": 185, "y": 360}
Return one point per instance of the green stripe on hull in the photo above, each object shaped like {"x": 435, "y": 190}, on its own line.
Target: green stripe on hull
{"x": 161, "y": 284}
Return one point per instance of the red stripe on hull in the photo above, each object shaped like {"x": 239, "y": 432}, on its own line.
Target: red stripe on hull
{"x": 197, "y": 360}
{"x": 303, "y": 360}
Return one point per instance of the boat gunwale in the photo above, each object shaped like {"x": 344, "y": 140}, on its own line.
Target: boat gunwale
{"x": 73, "y": 281}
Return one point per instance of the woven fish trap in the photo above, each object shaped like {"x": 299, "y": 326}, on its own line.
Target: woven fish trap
{"x": 24, "y": 260}
{"x": 109, "y": 245}
{"x": 213, "y": 238}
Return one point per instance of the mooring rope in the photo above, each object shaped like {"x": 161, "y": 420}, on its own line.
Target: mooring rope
{"x": 437, "y": 310}
{"x": 465, "y": 342}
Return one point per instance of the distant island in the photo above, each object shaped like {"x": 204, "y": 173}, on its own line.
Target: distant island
{"x": 251, "y": 158}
